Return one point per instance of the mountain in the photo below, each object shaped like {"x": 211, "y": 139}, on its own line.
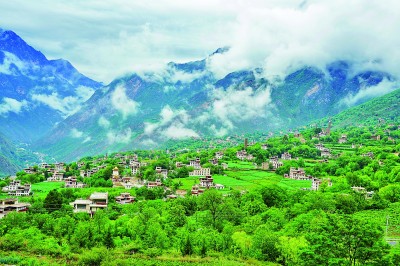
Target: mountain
{"x": 386, "y": 107}
{"x": 36, "y": 93}
{"x": 10, "y": 160}
{"x": 186, "y": 100}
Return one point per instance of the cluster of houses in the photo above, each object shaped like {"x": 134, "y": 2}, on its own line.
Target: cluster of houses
{"x": 243, "y": 155}
{"x": 325, "y": 152}
{"x": 15, "y": 188}
{"x": 99, "y": 201}
{"x": 300, "y": 174}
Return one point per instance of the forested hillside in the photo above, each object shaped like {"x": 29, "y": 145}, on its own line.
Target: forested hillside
{"x": 258, "y": 215}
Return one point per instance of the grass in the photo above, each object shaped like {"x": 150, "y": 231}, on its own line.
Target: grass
{"x": 41, "y": 189}
{"x": 248, "y": 180}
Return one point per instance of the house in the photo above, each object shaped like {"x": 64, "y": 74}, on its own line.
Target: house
{"x": 127, "y": 185}
{"x": 207, "y": 181}
{"x": 219, "y": 186}
{"x": 29, "y": 170}
{"x": 264, "y": 147}
{"x": 368, "y": 154}
{"x": 241, "y": 155}
{"x": 316, "y": 183}
{"x": 343, "y": 139}
{"x": 44, "y": 166}
{"x": 162, "y": 172}
{"x": 200, "y": 172}
{"x": 219, "y": 155}
{"x": 320, "y": 146}
{"x": 224, "y": 166}
{"x": 376, "y": 137}
{"x": 325, "y": 153}
{"x": 57, "y": 176}
{"x": 71, "y": 182}
{"x": 124, "y": 198}
{"x": 178, "y": 164}
{"x": 12, "y": 205}
{"x": 250, "y": 157}
{"x": 297, "y": 174}
{"x": 59, "y": 167}
{"x": 97, "y": 201}
{"x": 274, "y": 161}
{"x": 196, "y": 191}
{"x": 16, "y": 189}
{"x": 81, "y": 164}
{"x": 195, "y": 163}
{"x": 213, "y": 161}
{"x": 157, "y": 183}
{"x": 286, "y": 156}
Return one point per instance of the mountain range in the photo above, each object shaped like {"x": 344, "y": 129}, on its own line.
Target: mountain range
{"x": 60, "y": 112}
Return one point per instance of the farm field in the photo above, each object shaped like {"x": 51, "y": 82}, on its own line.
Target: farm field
{"x": 248, "y": 180}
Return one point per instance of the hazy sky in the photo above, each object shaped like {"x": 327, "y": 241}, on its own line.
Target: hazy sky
{"x": 105, "y": 39}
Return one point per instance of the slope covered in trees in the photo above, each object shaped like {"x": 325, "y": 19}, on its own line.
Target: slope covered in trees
{"x": 259, "y": 218}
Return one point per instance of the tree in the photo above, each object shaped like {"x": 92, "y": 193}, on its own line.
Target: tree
{"x": 212, "y": 200}
{"x": 53, "y": 201}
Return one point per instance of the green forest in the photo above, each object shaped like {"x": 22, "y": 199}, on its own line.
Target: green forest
{"x": 259, "y": 217}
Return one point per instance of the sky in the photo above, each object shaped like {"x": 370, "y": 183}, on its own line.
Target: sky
{"x": 107, "y": 39}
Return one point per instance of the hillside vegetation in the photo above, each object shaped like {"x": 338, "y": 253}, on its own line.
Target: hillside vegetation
{"x": 259, "y": 217}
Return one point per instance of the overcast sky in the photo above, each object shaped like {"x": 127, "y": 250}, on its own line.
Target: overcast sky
{"x": 106, "y": 39}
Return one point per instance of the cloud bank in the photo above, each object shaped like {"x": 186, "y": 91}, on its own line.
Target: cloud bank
{"x": 108, "y": 39}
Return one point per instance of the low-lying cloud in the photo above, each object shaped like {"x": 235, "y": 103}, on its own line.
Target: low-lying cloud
{"x": 367, "y": 93}
{"x": 10, "y": 105}
{"x": 121, "y": 102}
{"x": 66, "y": 105}
{"x": 122, "y": 136}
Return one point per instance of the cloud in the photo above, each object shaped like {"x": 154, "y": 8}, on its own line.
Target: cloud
{"x": 366, "y": 93}
{"x": 284, "y": 38}
{"x": 179, "y": 131}
{"x": 66, "y": 105}
{"x": 111, "y": 38}
{"x": 75, "y": 133}
{"x": 12, "y": 105}
{"x": 10, "y": 60}
{"x": 122, "y": 103}
{"x": 103, "y": 122}
{"x": 239, "y": 105}
{"x": 167, "y": 115}
{"x": 119, "y": 136}
{"x": 185, "y": 77}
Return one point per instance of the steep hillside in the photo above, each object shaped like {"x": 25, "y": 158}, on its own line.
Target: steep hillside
{"x": 9, "y": 161}
{"x": 188, "y": 101}
{"x": 370, "y": 113}
{"x": 36, "y": 93}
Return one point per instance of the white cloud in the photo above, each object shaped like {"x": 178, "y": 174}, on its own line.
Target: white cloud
{"x": 66, "y": 105}
{"x": 366, "y": 93}
{"x": 75, "y": 133}
{"x": 185, "y": 77}
{"x": 167, "y": 115}
{"x": 179, "y": 131}
{"x": 12, "y": 105}
{"x": 9, "y": 60}
{"x": 238, "y": 105}
{"x": 122, "y": 103}
{"x": 103, "y": 122}
{"x": 108, "y": 39}
{"x": 124, "y": 136}
{"x": 87, "y": 139}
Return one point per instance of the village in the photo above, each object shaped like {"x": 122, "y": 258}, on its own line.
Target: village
{"x": 128, "y": 168}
